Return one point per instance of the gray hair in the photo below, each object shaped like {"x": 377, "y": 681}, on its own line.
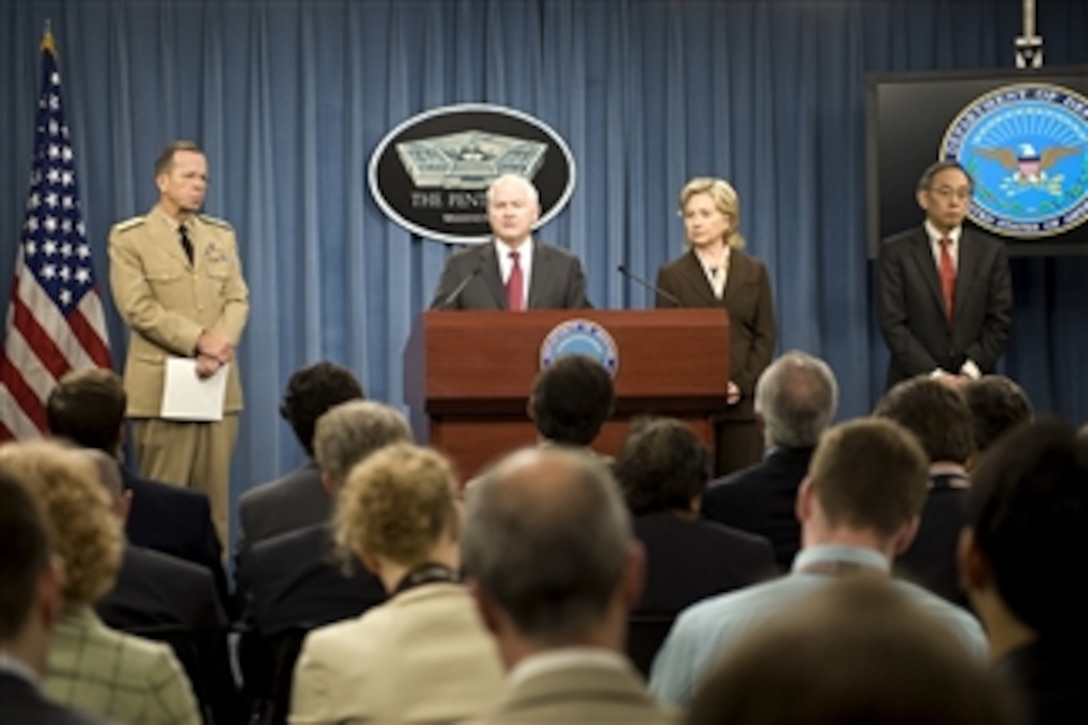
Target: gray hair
{"x": 348, "y": 433}
{"x": 514, "y": 180}
{"x": 797, "y": 396}
{"x": 547, "y": 536}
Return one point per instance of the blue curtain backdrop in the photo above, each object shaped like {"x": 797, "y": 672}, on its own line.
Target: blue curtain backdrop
{"x": 289, "y": 98}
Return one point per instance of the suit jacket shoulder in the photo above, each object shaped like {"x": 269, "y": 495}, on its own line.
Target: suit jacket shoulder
{"x": 557, "y": 279}
{"x": 370, "y": 668}
{"x": 292, "y": 501}
{"x": 297, "y": 581}
{"x": 581, "y": 694}
{"x": 898, "y": 240}
{"x": 115, "y": 675}
{"x": 931, "y": 559}
{"x": 175, "y": 521}
{"x": 762, "y": 499}
{"x": 687, "y": 561}
{"x": 23, "y": 704}
{"x": 154, "y": 588}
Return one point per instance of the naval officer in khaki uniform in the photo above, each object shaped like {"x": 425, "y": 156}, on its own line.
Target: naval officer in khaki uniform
{"x": 177, "y": 282}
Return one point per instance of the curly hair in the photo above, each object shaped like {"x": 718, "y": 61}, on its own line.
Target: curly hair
{"x": 311, "y": 392}
{"x": 397, "y": 503}
{"x": 936, "y": 414}
{"x": 83, "y": 529}
{"x": 997, "y": 406}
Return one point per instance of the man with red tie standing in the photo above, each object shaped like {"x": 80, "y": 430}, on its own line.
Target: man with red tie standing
{"x": 944, "y": 290}
{"x": 514, "y": 271}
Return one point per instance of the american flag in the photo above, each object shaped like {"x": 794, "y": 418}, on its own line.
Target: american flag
{"x": 54, "y": 322}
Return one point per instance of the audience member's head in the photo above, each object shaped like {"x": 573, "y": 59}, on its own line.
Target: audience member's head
{"x": 399, "y": 511}
{"x": 88, "y": 408}
{"x": 867, "y": 475}
{"x": 935, "y": 413}
{"x": 30, "y": 579}
{"x": 351, "y": 431}
{"x": 1026, "y": 534}
{"x": 856, "y": 652}
{"x": 796, "y": 398}
{"x": 80, "y": 520}
{"x": 997, "y": 405}
{"x": 662, "y": 466}
{"x": 312, "y": 391}
{"x": 571, "y": 400}
{"x": 549, "y": 545}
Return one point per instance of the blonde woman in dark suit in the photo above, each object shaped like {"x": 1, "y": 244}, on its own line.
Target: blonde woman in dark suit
{"x": 713, "y": 272}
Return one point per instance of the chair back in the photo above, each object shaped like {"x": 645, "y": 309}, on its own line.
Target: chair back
{"x": 271, "y": 698}
{"x": 186, "y": 647}
{"x": 645, "y": 634}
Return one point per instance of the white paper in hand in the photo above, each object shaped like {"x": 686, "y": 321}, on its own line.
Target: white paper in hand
{"x": 187, "y": 397}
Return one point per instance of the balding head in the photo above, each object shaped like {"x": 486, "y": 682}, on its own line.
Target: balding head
{"x": 548, "y": 540}
{"x": 796, "y": 397}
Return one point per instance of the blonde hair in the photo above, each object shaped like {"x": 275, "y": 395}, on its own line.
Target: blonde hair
{"x": 397, "y": 503}
{"x": 81, "y": 525}
{"x": 725, "y": 200}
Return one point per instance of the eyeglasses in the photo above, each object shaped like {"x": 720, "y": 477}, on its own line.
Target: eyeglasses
{"x": 947, "y": 192}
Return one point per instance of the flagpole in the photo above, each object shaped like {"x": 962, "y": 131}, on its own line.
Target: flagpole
{"x": 48, "y": 43}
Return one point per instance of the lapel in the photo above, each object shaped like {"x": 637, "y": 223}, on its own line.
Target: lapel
{"x": 739, "y": 271}
{"x": 693, "y": 276}
{"x": 966, "y": 271}
{"x": 923, "y": 258}
{"x": 541, "y": 260}
{"x": 788, "y": 460}
{"x": 491, "y": 273}
{"x": 578, "y": 684}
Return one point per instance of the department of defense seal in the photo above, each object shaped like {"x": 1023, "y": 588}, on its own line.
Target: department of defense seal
{"x": 580, "y": 337}
{"x": 1026, "y": 147}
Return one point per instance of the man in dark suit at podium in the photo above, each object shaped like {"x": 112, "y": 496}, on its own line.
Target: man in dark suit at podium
{"x": 945, "y": 293}
{"x": 513, "y": 271}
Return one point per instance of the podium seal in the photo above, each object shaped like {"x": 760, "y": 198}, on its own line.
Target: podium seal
{"x": 580, "y": 337}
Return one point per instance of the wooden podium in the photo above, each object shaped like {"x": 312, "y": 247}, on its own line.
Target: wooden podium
{"x": 468, "y": 375}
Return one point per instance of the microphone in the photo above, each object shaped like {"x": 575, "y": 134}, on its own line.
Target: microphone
{"x": 622, "y": 269}
{"x": 452, "y": 296}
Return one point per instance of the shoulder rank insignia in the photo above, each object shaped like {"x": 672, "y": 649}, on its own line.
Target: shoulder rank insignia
{"x": 216, "y": 221}
{"x": 129, "y": 224}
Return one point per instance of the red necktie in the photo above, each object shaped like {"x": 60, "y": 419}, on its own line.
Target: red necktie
{"x": 515, "y": 285}
{"x": 948, "y": 279}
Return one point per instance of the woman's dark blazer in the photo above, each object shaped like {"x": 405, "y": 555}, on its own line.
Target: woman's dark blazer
{"x": 752, "y": 334}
